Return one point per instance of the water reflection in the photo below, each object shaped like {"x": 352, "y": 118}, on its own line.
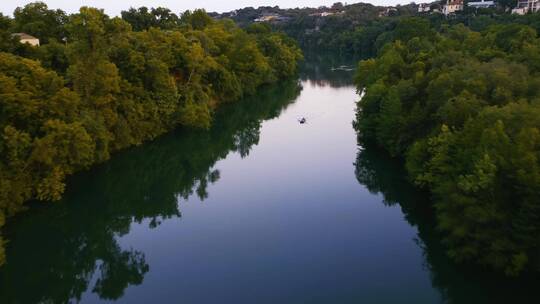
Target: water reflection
{"x": 327, "y": 69}
{"x": 455, "y": 283}
{"x": 59, "y": 252}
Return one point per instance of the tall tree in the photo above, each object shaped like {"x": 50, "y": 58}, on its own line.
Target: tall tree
{"x": 38, "y": 20}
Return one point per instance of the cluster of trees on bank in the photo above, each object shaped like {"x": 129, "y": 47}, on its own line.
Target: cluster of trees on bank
{"x": 100, "y": 84}
{"x": 462, "y": 108}
{"x": 140, "y": 186}
{"x": 386, "y": 176}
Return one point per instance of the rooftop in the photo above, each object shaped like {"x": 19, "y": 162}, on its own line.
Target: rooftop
{"x": 23, "y": 36}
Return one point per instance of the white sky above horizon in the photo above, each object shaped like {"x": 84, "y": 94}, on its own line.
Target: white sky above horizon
{"x": 114, "y": 8}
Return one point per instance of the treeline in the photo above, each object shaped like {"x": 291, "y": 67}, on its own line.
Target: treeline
{"x": 462, "y": 108}
{"x": 96, "y": 86}
{"x": 362, "y": 29}
{"x": 354, "y": 32}
{"x": 365, "y": 40}
{"x": 332, "y": 31}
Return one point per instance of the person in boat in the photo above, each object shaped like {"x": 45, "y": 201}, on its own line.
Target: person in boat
{"x": 302, "y": 120}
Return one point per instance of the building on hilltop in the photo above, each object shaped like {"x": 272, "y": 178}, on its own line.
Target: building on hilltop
{"x": 324, "y": 11}
{"x": 25, "y": 38}
{"x": 271, "y": 18}
{"x": 526, "y": 6}
{"x": 266, "y": 18}
{"x": 452, "y": 6}
{"x": 388, "y": 11}
{"x": 481, "y": 4}
{"x": 424, "y": 7}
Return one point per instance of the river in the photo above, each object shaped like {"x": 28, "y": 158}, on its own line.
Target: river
{"x": 258, "y": 209}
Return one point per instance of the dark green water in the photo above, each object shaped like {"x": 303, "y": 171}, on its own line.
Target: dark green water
{"x": 259, "y": 209}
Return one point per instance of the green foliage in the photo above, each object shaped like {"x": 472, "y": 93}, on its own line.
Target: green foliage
{"x": 341, "y": 28}
{"x": 7, "y": 42}
{"x": 197, "y": 19}
{"x": 143, "y": 18}
{"x": 66, "y": 106}
{"x": 358, "y": 30}
{"x": 38, "y": 20}
{"x": 462, "y": 108}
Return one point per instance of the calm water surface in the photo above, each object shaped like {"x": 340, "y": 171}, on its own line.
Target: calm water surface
{"x": 259, "y": 209}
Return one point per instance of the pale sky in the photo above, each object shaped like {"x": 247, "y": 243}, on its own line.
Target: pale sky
{"x": 113, "y": 7}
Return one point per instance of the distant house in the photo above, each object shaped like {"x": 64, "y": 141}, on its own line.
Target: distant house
{"x": 452, "y": 6}
{"x": 268, "y": 18}
{"x": 424, "y": 7}
{"x": 272, "y": 18}
{"x": 526, "y": 6}
{"x": 389, "y": 11}
{"x": 481, "y": 4}
{"x": 327, "y": 13}
{"x": 25, "y": 38}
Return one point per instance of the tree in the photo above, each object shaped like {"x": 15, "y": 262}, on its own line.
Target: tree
{"x": 197, "y": 20}
{"x": 143, "y": 18}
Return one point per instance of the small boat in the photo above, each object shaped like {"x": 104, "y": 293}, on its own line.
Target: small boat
{"x": 302, "y": 120}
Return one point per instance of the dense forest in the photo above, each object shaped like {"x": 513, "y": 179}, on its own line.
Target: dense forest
{"x": 461, "y": 107}
{"x": 362, "y": 29}
{"x": 99, "y": 84}
{"x": 335, "y": 29}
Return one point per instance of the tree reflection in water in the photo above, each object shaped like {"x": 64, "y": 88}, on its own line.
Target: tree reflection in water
{"x": 456, "y": 283}
{"x": 327, "y": 69}
{"x": 58, "y": 252}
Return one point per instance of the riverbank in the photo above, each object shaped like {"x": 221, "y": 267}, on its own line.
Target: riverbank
{"x": 69, "y": 106}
